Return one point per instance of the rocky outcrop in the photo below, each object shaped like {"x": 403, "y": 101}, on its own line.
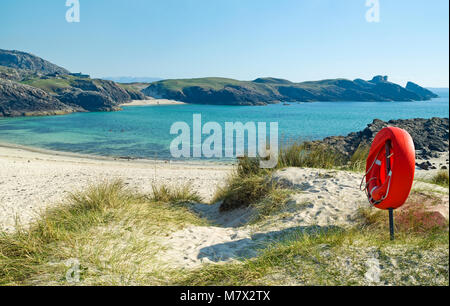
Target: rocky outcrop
{"x": 33, "y": 86}
{"x": 88, "y": 100}
{"x": 430, "y": 136}
{"x": 272, "y": 90}
{"x": 109, "y": 89}
{"x": 23, "y": 100}
{"x": 22, "y": 60}
{"x": 420, "y": 90}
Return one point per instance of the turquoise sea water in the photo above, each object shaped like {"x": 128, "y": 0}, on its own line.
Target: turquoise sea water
{"x": 144, "y": 131}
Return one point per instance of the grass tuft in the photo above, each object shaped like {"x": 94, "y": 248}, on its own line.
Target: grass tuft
{"x": 175, "y": 195}
{"x": 357, "y": 161}
{"x": 112, "y": 231}
{"x": 336, "y": 257}
{"x": 309, "y": 155}
{"x": 441, "y": 178}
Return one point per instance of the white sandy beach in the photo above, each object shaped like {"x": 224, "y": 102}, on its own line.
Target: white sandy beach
{"x": 31, "y": 180}
{"x": 152, "y": 101}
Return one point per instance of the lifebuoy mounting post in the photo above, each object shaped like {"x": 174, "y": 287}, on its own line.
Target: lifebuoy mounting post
{"x": 389, "y": 179}
{"x": 388, "y": 169}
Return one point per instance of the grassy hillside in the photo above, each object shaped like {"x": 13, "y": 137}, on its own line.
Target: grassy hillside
{"x": 209, "y": 83}
{"x": 273, "y": 90}
{"x": 50, "y": 85}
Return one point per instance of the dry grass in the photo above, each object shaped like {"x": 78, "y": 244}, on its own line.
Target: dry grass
{"x": 175, "y": 195}
{"x": 309, "y": 155}
{"x": 441, "y": 178}
{"x": 412, "y": 217}
{"x": 110, "y": 230}
{"x": 249, "y": 185}
{"x": 357, "y": 161}
{"x": 336, "y": 257}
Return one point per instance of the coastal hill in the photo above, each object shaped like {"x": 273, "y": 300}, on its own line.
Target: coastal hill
{"x": 271, "y": 90}
{"x": 32, "y": 86}
{"x": 25, "y": 61}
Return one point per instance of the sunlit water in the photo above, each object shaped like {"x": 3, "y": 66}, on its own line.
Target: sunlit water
{"x": 144, "y": 131}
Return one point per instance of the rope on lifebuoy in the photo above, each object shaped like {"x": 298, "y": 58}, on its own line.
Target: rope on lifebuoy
{"x": 366, "y": 190}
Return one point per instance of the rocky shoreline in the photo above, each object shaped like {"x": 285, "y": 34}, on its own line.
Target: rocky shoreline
{"x": 431, "y": 138}
{"x": 31, "y": 86}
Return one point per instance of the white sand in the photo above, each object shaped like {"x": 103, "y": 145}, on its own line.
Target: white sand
{"x": 33, "y": 180}
{"x": 322, "y": 199}
{"x": 152, "y": 101}
{"x": 438, "y": 163}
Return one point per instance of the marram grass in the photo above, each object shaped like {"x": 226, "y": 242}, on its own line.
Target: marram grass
{"x": 108, "y": 228}
{"x": 114, "y": 233}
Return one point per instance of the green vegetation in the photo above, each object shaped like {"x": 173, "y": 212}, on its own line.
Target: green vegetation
{"x": 110, "y": 229}
{"x": 212, "y": 83}
{"x": 441, "y": 178}
{"x": 175, "y": 195}
{"x": 271, "y": 90}
{"x": 115, "y": 233}
{"x": 51, "y": 85}
{"x": 249, "y": 185}
{"x": 309, "y": 155}
{"x": 134, "y": 87}
{"x": 357, "y": 161}
{"x": 337, "y": 257}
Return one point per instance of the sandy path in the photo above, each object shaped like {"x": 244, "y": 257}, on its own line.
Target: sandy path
{"x": 321, "y": 199}
{"x": 31, "y": 181}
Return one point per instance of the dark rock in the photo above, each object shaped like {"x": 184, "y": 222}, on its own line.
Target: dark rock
{"x": 425, "y": 165}
{"x": 430, "y": 136}
{"x": 89, "y": 100}
{"x": 23, "y": 100}
{"x": 420, "y": 90}
{"x": 77, "y": 93}
{"x": 379, "y": 79}
{"x": 272, "y": 90}
{"x": 22, "y": 60}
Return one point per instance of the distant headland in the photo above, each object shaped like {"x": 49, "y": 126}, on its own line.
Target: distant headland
{"x": 32, "y": 86}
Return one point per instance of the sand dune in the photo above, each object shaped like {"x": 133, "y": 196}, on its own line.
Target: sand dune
{"x": 31, "y": 181}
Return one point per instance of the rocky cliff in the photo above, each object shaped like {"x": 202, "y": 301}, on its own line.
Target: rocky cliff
{"x": 272, "y": 90}
{"x": 32, "y": 86}
{"x": 23, "y": 100}
{"x": 430, "y": 136}
{"x": 27, "y": 61}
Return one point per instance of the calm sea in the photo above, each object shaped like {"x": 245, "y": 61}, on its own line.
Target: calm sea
{"x": 144, "y": 131}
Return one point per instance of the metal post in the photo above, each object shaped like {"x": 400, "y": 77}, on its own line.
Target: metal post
{"x": 391, "y": 223}
{"x": 388, "y": 169}
{"x": 388, "y": 158}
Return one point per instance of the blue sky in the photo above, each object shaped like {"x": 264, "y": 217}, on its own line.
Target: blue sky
{"x": 243, "y": 39}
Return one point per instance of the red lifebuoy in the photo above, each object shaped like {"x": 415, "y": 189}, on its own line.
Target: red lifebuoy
{"x": 390, "y": 168}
